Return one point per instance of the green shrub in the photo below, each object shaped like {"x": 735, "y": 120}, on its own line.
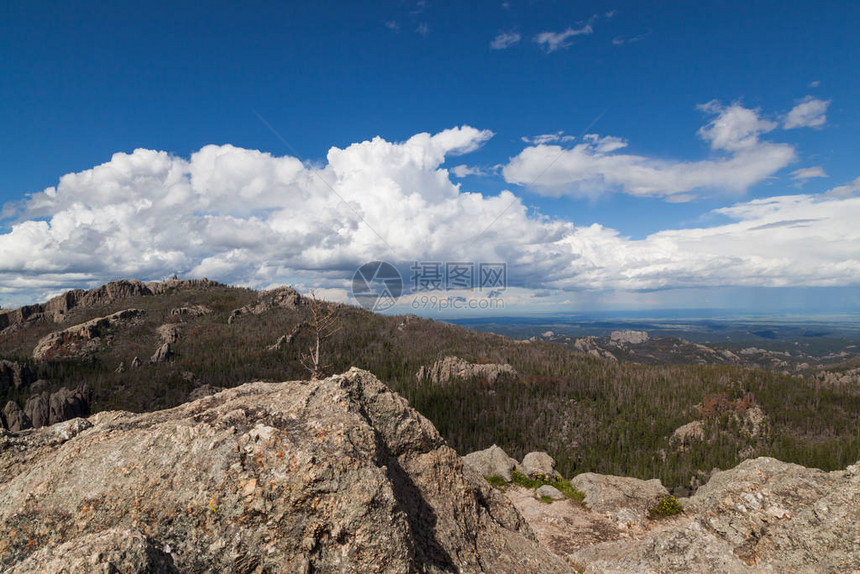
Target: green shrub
{"x": 667, "y": 506}
{"x": 563, "y": 485}
{"x": 496, "y": 481}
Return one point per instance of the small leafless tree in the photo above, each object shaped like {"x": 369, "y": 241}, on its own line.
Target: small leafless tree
{"x": 324, "y": 323}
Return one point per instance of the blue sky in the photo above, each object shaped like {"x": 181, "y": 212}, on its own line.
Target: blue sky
{"x": 692, "y": 153}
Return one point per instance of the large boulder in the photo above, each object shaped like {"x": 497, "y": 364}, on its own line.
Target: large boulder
{"x": 323, "y": 476}
{"x": 623, "y": 499}
{"x": 540, "y": 464}
{"x": 492, "y": 461}
{"x": 550, "y": 492}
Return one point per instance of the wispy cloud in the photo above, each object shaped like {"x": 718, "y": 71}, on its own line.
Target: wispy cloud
{"x": 552, "y": 41}
{"x": 809, "y": 113}
{"x": 548, "y": 138}
{"x": 504, "y": 40}
{"x": 392, "y": 25}
{"x": 621, "y": 40}
{"x": 423, "y": 29}
{"x": 806, "y": 173}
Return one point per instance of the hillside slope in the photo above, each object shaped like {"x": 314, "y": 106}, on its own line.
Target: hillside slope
{"x": 187, "y": 339}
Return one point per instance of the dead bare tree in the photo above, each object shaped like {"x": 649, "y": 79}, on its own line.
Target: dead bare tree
{"x": 324, "y": 323}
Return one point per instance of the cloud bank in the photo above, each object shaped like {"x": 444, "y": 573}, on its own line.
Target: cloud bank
{"x": 742, "y": 159}
{"x": 247, "y": 217}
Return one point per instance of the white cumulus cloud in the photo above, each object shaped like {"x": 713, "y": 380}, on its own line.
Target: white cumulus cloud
{"x": 596, "y": 166}
{"x": 247, "y": 217}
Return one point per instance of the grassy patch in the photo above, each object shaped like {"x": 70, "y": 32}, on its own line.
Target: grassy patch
{"x": 562, "y": 485}
{"x": 528, "y": 481}
{"x": 546, "y": 499}
{"x": 496, "y": 481}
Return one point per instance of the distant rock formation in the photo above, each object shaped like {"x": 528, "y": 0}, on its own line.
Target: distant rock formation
{"x": 168, "y": 333}
{"x": 81, "y": 339}
{"x": 15, "y": 419}
{"x": 279, "y": 298}
{"x": 592, "y": 346}
{"x": 44, "y": 409}
{"x": 624, "y": 500}
{"x": 162, "y": 355}
{"x": 454, "y": 368}
{"x": 68, "y": 404}
{"x": 38, "y": 409}
{"x": 58, "y": 308}
{"x": 686, "y": 435}
{"x": 845, "y": 377}
{"x": 627, "y": 337}
{"x": 190, "y": 311}
{"x": 323, "y": 476}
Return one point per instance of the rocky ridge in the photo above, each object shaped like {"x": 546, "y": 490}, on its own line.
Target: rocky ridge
{"x": 332, "y": 475}
{"x": 78, "y": 340}
{"x": 279, "y": 298}
{"x": 57, "y": 308}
